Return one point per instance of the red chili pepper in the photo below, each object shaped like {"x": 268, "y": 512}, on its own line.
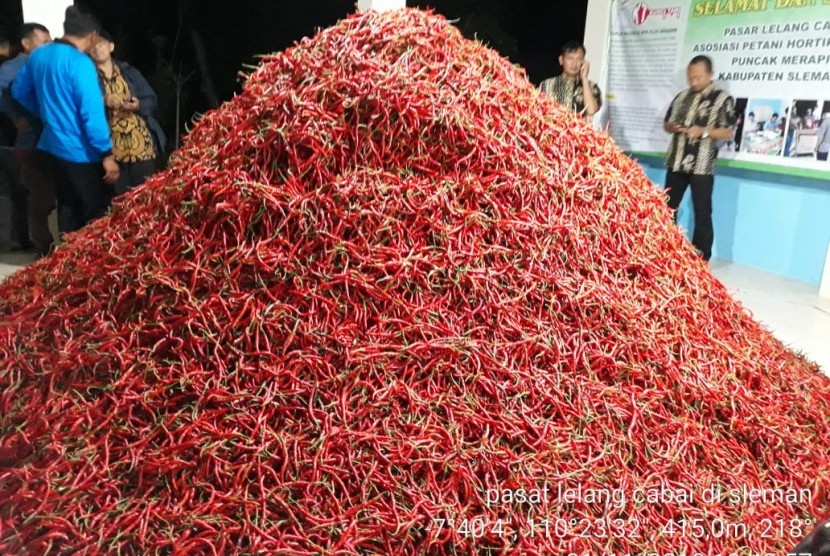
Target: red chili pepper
{"x": 386, "y": 283}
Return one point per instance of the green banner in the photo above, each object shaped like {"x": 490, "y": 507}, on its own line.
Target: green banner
{"x": 772, "y": 56}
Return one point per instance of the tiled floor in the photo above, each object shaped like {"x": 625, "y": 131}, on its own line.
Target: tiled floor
{"x": 12, "y": 262}
{"x": 791, "y": 309}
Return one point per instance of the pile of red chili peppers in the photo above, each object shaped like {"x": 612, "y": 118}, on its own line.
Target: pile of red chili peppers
{"x": 384, "y": 286}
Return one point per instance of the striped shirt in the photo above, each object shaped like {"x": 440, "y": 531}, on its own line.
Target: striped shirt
{"x": 710, "y": 108}
{"x": 569, "y": 92}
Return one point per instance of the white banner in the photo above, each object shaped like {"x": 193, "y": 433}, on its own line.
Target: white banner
{"x": 772, "y": 56}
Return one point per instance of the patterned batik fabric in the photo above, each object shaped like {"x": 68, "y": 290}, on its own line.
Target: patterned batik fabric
{"x": 131, "y": 138}
{"x": 710, "y": 108}
{"x": 569, "y": 92}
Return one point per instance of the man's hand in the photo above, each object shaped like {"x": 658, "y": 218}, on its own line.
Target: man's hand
{"x": 131, "y": 105}
{"x": 674, "y": 128}
{"x": 111, "y": 169}
{"x": 113, "y": 102}
{"x": 585, "y": 70}
{"x": 694, "y": 132}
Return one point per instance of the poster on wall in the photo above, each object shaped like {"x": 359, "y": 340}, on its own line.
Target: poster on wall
{"x": 772, "y": 56}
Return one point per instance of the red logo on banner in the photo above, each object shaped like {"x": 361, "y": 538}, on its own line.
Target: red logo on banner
{"x": 641, "y": 13}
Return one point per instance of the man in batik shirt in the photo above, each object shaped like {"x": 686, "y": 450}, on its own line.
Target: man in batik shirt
{"x": 698, "y": 119}
{"x": 572, "y": 88}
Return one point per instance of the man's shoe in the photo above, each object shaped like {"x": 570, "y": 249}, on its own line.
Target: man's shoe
{"x": 44, "y": 251}
{"x": 26, "y": 246}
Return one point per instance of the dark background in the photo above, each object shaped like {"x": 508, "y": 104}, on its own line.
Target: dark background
{"x": 195, "y": 49}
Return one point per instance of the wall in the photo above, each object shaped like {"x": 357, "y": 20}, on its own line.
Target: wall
{"x": 46, "y": 12}
{"x": 597, "y": 41}
{"x": 380, "y": 5}
{"x": 772, "y": 222}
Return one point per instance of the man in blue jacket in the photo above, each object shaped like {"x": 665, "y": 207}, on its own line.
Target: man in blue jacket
{"x": 59, "y": 85}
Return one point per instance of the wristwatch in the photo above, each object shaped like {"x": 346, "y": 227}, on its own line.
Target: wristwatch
{"x": 705, "y": 134}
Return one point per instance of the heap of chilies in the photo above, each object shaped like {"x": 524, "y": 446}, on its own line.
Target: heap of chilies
{"x": 376, "y": 295}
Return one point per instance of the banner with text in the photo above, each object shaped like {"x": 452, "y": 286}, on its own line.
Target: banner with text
{"x": 772, "y": 56}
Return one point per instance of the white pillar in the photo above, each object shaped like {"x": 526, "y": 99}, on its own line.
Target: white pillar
{"x": 824, "y": 289}
{"x": 380, "y": 5}
{"x": 597, "y": 40}
{"x": 46, "y": 12}
{"x": 597, "y": 35}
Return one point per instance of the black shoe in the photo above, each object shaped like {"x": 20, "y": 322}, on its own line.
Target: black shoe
{"x": 44, "y": 251}
{"x": 26, "y": 246}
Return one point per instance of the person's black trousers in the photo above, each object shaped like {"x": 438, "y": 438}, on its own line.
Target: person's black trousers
{"x": 35, "y": 168}
{"x": 18, "y": 195}
{"x": 81, "y": 191}
{"x": 821, "y": 156}
{"x": 702, "y": 187}
{"x": 133, "y": 174}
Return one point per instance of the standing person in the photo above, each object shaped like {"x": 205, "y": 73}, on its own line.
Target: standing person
{"x": 697, "y": 118}
{"x": 38, "y": 199}
{"x": 794, "y": 124}
{"x": 32, "y": 35}
{"x": 11, "y": 190}
{"x": 809, "y": 119}
{"x": 823, "y": 138}
{"x": 572, "y": 88}
{"x": 59, "y": 84}
{"x": 137, "y": 138}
